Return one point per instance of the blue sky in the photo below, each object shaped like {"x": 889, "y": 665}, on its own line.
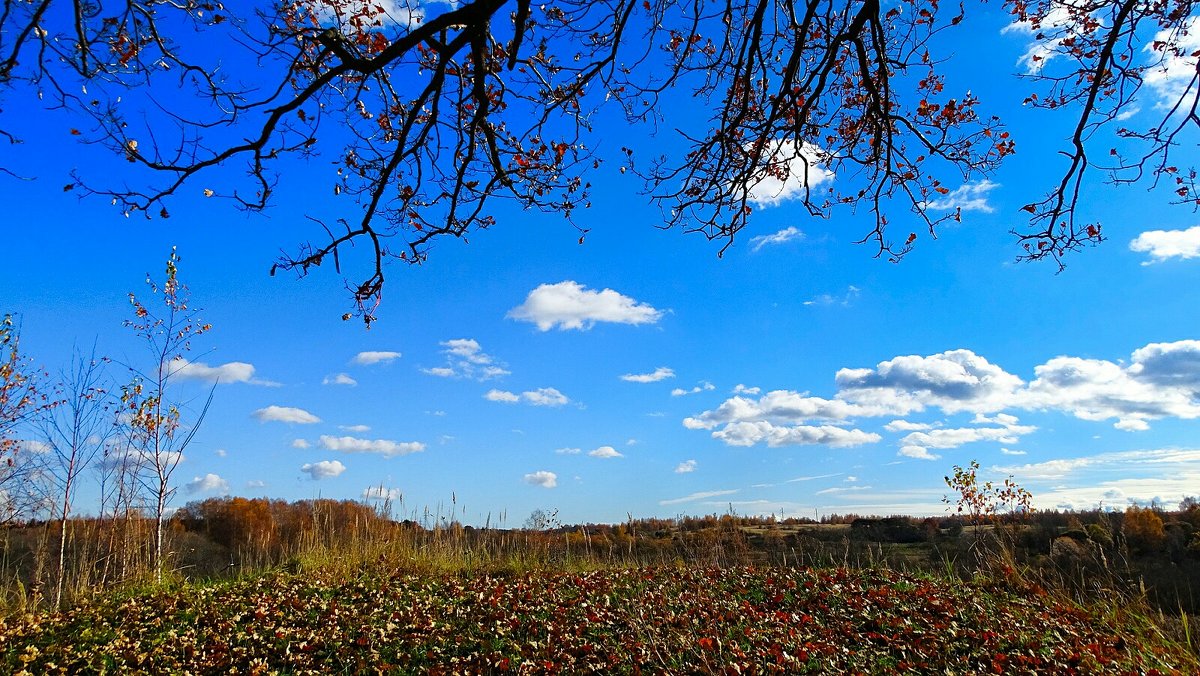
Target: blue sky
{"x": 639, "y": 374}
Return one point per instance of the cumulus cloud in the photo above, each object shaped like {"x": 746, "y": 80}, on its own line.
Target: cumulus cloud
{"x": 256, "y": 483}
{"x": 542, "y": 478}
{"x": 568, "y": 451}
{"x": 906, "y": 426}
{"x": 374, "y": 357}
{"x": 918, "y": 452}
{"x": 570, "y": 305}
{"x": 1162, "y": 381}
{"x": 776, "y": 417}
{"x": 466, "y": 359}
{"x": 233, "y": 372}
{"x": 384, "y": 447}
{"x": 605, "y": 452}
{"x": 966, "y": 197}
{"x": 697, "y": 496}
{"x": 326, "y": 469}
{"x": 956, "y": 380}
{"x": 339, "y": 379}
{"x": 777, "y": 406}
{"x": 704, "y": 386}
{"x": 1166, "y": 244}
{"x": 381, "y": 494}
{"x": 286, "y": 414}
{"x": 742, "y": 389}
{"x": 751, "y": 433}
{"x": 660, "y": 373}
{"x": 685, "y": 467}
{"x": 501, "y": 396}
{"x": 788, "y": 234}
{"x": 915, "y": 444}
{"x": 786, "y": 171}
{"x": 299, "y": 443}
{"x": 1010, "y": 451}
{"x": 543, "y": 396}
{"x": 209, "y": 483}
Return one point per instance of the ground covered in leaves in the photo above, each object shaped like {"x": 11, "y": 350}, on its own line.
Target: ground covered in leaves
{"x": 666, "y": 619}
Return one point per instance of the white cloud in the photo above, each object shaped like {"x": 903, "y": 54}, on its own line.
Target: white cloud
{"x": 221, "y": 453}
{"x": 299, "y": 443}
{"x": 660, "y": 373}
{"x": 355, "y": 428}
{"x": 751, "y": 433}
{"x": 1165, "y": 244}
{"x": 1132, "y": 425}
{"x": 1046, "y": 37}
{"x": 339, "y": 379}
{"x": 828, "y": 299}
{"x": 394, "y": 12}
{"x": 374, "y": 357}
{"x": 605, "y": 452}
{"x": 543, "y": 396}
{"x": 839, "y": 490}
{"x": 209, "y": 483}
{"x": 788, "y": 234}
{"x": 256, "y": 483}
{"x": 1010, "y": 451}
{"x": 918, "y": 452}
{"x": 811, "y": 478}
{"x": 776, "y": 406}
{"x": 384, "y": 447}
{"x": 955, "y": 437}
{"x": 704, "y": 386}
{"x": 569, "y": 305}
{"x": 286, "y": 414}
{"x": 742, "y": 389}
{"x": 697, "y": 496}
{"x": 1172, "y": 78}
{"x": 685, "y": 467}
{"x": 1162, "y": 381}
{"x": 380, "y": 494}
{"x": 33, "y": 446}
{"x": 233, "y": 372}
{"x": 786, "y": 171}
{"x": 568, "y": 451}
{"x": 906, "y": 426}
{"x": 502, "y": 396}
{"x": 326, "y": 469}
{"x": 967, "y": 197}
{"x": 466, "y": 359}
{"x": 956, "y": 380}
{"x": 542, "y": 478}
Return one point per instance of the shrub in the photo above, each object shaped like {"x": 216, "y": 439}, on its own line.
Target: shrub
{"x": 1143, "y": 529}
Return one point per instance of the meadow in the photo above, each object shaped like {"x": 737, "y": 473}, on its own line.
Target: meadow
{"x": 340, "y": 587}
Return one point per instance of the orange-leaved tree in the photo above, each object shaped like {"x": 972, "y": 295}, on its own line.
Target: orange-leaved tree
{"x": 983, "y": 502}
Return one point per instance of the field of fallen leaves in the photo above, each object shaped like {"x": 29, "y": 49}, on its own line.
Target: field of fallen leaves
{"x": 663, "y": 619}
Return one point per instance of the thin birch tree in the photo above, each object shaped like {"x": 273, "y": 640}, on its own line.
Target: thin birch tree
{"x": 157, "y": 431}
